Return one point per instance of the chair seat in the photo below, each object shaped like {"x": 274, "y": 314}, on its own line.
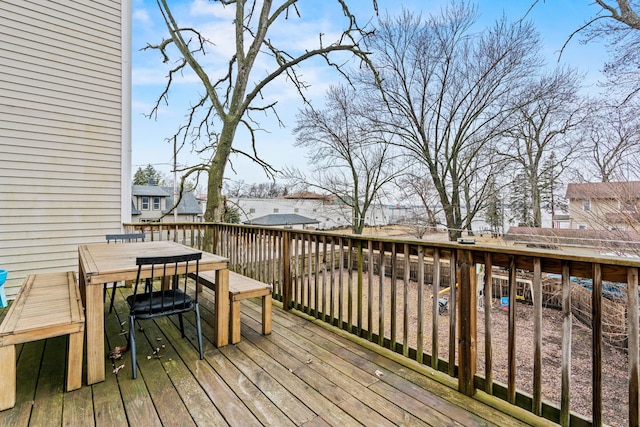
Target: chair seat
{"x": 161, "y": 302}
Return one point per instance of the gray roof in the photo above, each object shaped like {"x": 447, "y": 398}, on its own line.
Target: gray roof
{"x": 188, "y": 205}
{"x": 134, "y": 210}
{"x": 150, "y": 190}
{"x": 281, "y": 219}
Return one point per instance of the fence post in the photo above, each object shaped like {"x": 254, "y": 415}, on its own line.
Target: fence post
{"x": 467, "y": 351}
{"x": 287, "y": 290}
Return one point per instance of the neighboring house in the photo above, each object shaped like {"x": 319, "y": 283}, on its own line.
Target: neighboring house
{"x": 326, "y": 210}
{"x": 283, "y": 220}
{"x": 604, "y": 205}
{"x": 150, "y": 202}
{"x": 65, "y": 138}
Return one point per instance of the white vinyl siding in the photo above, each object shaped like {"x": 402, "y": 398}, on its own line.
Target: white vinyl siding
{"x": 62, "y": 131}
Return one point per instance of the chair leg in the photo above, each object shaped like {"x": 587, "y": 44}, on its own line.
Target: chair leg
{"x": 199, "y": 331}
{"x": 181, "y": 324}
{"x": 113, "y": 296}
{"x": 132, "y": 346}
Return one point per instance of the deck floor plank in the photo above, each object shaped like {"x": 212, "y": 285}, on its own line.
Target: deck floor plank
{"x": 343, "y": 384}
{"x": 28, "y": 368}
{"x": 302, "y": 374}
{"x": 78, "y": 407}
{"x": 47, "y": 407}
{"x": 228, "y": 403}
{"x": 200, "y": 408}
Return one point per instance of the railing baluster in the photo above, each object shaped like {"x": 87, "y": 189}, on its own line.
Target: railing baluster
{"x": 381, "y": 296}
{"x": 596, "y": 364}
{"x": 488, "y": 300}
{"x": 511, "y": 374}
{"x": 324, "y": 279}
{"x": 537, "y": 332}
{"x": 394, "y": 293}
{"x": 468, "y": 325}
{"x": 360, "y": 272}
{"x": 453, "y": 310}
{"x": 332, "y": 278}
{"x": 405, "y": 303}
{"x": 350, "y": 287}
{"x": 565, "y": 415}
{"x": 420, "y": 308}
{"x": 634, "y": 347}
{"x": 340, "y": 282}
{"x": 370, "y": 261}
{"x": 435, "y": 309}
{"x": 310, "y": 273}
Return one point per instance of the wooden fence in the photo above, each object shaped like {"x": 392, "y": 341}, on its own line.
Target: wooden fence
{"x": 387, "y": 291}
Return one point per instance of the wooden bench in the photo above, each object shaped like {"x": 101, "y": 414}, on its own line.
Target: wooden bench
{"x": 242, "y": 287}
{"x": 48, "y": 305}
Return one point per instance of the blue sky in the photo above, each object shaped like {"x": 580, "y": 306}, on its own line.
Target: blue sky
{"x": 554, "y": 19}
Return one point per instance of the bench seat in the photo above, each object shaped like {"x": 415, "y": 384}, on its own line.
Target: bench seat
{"x": 47, "y": 305}
{"x": 242, "y": 287}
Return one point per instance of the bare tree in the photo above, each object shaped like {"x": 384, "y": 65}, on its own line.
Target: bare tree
{"x": 613, "y": 137}
{"x": 416, "y": 184}
{"x": 228, "y": 100}
{"x": 448, "y": 91}
{"x": 545, "y": 133}
{"x": 618, "y": 23}
{"x": 350, "y": 158}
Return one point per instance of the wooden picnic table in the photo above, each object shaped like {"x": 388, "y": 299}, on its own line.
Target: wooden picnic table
{"x": 106, "y": 263}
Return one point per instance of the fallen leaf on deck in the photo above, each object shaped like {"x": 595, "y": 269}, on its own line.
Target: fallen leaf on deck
{"x": 379, "y": 373}
{"x": 116, "y": 370}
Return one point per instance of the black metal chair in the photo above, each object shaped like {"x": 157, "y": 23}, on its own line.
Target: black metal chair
{"x": 173, "y": 297}
{"x": 123, "y": 238}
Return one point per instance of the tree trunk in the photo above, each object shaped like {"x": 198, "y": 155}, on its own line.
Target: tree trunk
{"x": 215, "y": 205}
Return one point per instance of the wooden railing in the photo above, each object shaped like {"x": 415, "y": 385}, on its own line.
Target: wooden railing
{"x": 399, "y": 295}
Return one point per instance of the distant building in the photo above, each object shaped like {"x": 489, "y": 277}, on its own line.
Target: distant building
{"x": 150, "y": 202}
{"x": 604, "y": 205}
{"x": 283, "y": 220}
{"x": 326, "y": 210}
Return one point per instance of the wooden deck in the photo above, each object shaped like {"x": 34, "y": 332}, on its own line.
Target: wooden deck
{"x": 303, "y": 374}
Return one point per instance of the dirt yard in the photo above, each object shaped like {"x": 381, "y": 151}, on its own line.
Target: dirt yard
{"x": 614, "y": 372}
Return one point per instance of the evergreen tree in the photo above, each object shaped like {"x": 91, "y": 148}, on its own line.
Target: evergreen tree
{"x": 520, "y": 201}
{"x": 142, "y": 176}
{"x": 493, "y": 212}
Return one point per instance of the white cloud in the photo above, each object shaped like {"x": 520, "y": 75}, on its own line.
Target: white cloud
{"x": 141, "y": 16}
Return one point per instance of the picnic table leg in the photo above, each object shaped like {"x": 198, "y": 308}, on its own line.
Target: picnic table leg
{"x": 94, "y": 327}
{"x": 74, "y": 367}
{"x": 8, "y": 377}
{"x": 222, "y": 308}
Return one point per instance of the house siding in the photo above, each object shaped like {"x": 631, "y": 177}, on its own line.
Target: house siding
{"x": 64, "y": 137}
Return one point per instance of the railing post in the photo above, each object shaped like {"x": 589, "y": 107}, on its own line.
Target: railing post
{"x": 287, "y": 289}
{"x": 467, "y": 351}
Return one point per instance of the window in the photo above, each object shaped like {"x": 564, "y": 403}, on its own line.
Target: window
{"x": 296, "y": 210}
{"x": 627, "y": 205}
{"x": 582, "y": 227}
{"x": 586, "y": 205}
{"x": 252, "y": 210}
{"x": 145, "y": 203}
{"x": 156, "y": 203}
{"x": 276, "y": 210}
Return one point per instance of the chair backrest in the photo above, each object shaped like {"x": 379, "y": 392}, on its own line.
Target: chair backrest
{"x": 172, "y": 267}
{"x": 130, "y": 237}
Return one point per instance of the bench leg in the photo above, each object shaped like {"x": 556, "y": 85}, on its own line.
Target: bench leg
{"x": 74, "y": 364}
{"x": 266, "y": 314}
{"x": 235, "y": 322}
{"x": 8, "y": 377}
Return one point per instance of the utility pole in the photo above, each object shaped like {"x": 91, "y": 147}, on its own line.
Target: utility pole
{"x": 175, "y": 180}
